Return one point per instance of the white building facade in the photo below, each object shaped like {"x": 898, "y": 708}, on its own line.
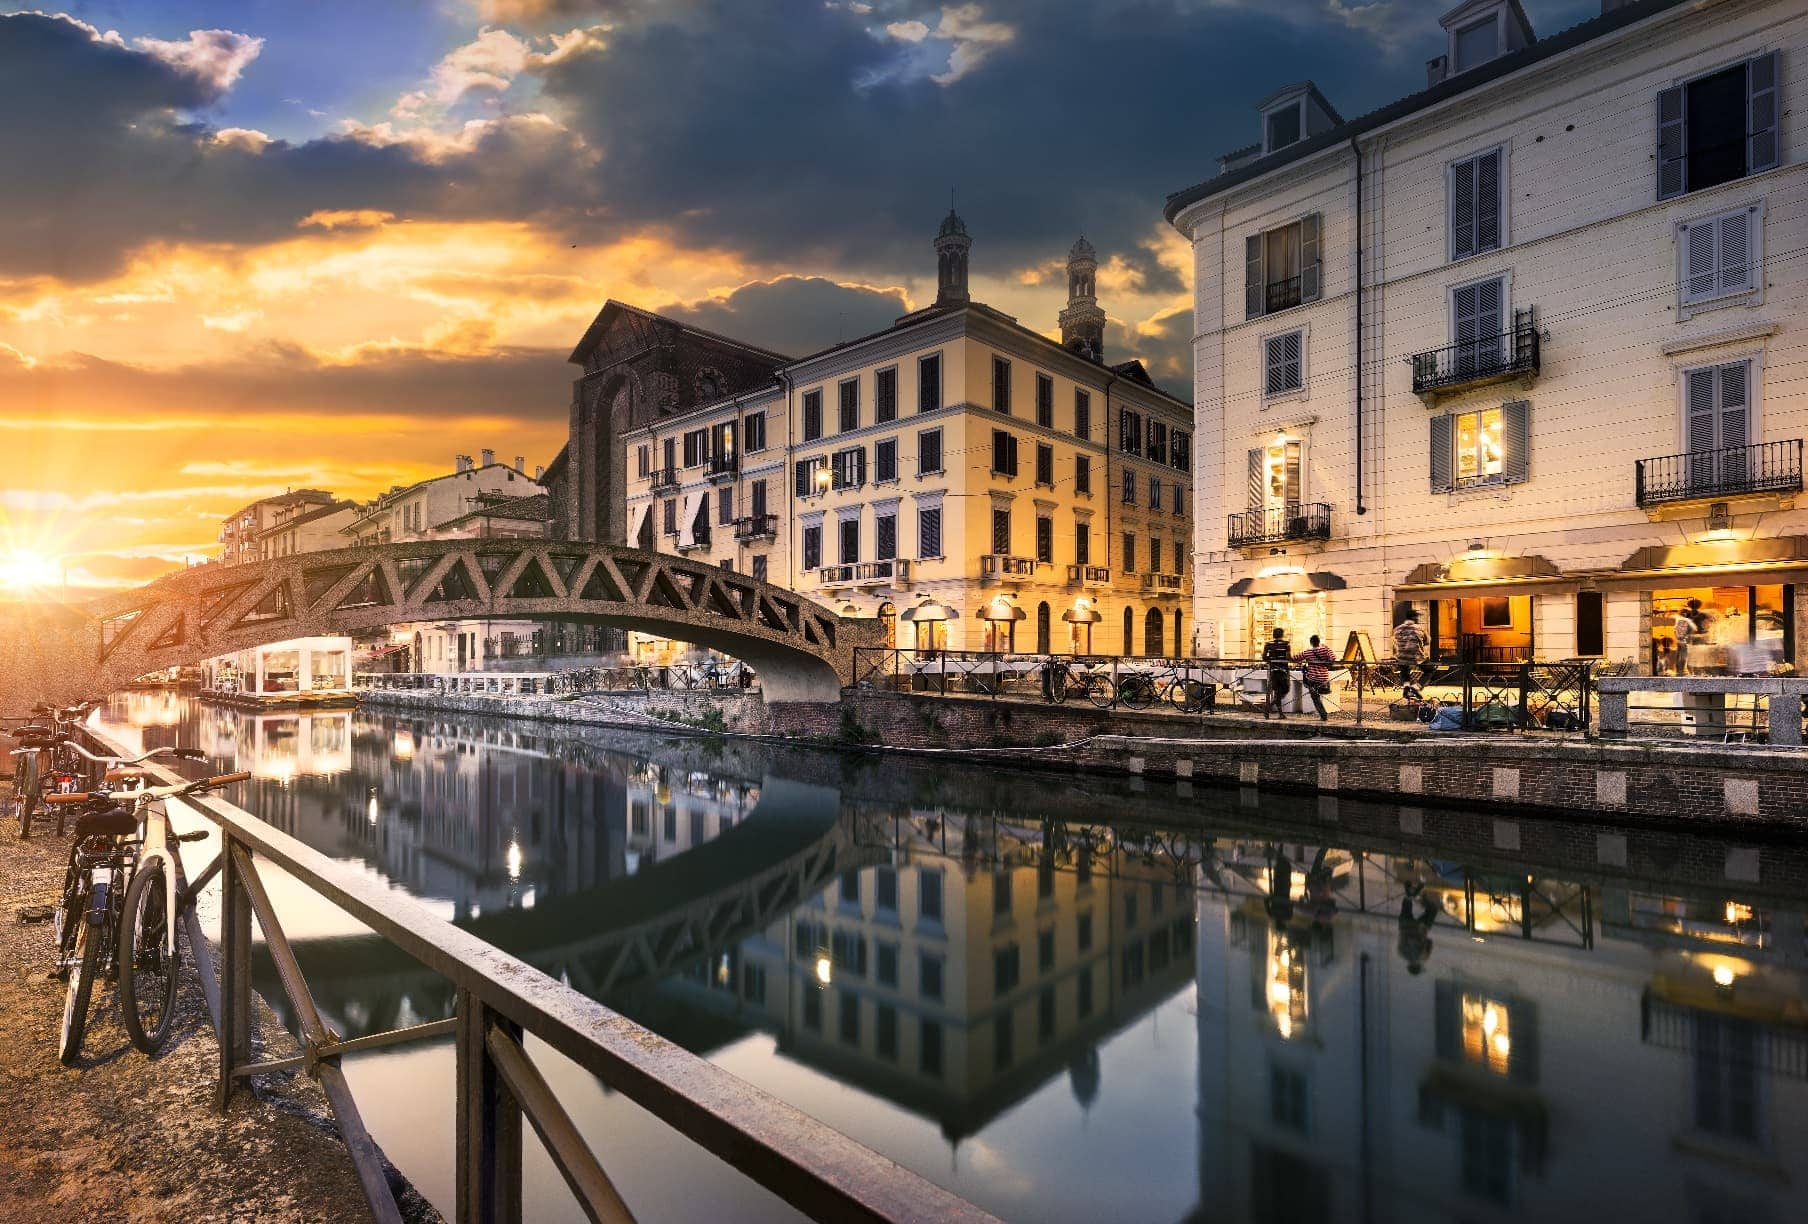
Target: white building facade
{"x": 1521, "y": 352}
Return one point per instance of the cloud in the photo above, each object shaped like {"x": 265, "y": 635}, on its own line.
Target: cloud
{"x": 215, "y": 58}
{"x": 794, "y": 314}
{"x": 491, "y": 62}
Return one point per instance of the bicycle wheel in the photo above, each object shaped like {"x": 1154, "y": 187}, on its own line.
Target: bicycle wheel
{"x": 1187, "y": 696}
{"x": 150, "y": 960}
{"x": 88, "y": 939}
{"x": 1099, "y": 691}
{"x": 28, "y": 792}
{"x": 1054, "y": 685}
{"x": 1137, "y": 692}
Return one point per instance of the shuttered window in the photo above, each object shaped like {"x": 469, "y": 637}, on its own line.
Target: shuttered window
{"x": 812, "y": 547}
{"x": 885, "y": 460}
{"x": 1281, "y": 267}
{"x": 1083, "y": 474}
{"x": 1082, "y": 543}
{"x": 1129, "y": 494}
{"x": 1045, "y": 465}
{"x": 812, "y": 415}
{"x": 1275, "y": 475}
{"x": 1486, "y": 447}
{"x": 1719, "y": 127}
{"x": 849, "y": 417}
{"x": 885, "y": 546}
{"x": 753, "y": 433}
{"x": 1478, "y": 324}
{"x": 885, "y": 395}
{"x": 929, "y": 383}
{"x": 1082, "y": 414}
{"x": 1129, "y": 558}
{"x": 929, "y": 452}
{"x": 1284, "y": 360}
{"x": 1001, "y": 531}
{"x": 849, "y": 470}
{"x": 1004, "y": 453}
{"x": 850, "y": 541}
{"x": 805, "y": 469}
{"x": 1717, "y": 404}
{"x": 1001, "y": 384}
{"x": 1477, "y": 197}
{"x": 1720, "y": 255}
{"x": 1045, "y": 539}
{"x": 929, "y": 532}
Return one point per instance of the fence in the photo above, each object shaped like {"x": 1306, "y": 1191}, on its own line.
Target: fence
{"x": 500, "y": 999}
{"x": 1485, "y": 696}
{"x": 702, "y": 675}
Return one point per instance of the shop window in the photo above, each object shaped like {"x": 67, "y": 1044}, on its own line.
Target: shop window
{"x": 1740, "y": 630}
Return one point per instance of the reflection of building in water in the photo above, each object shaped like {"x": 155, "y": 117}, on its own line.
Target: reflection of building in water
{"x": 964, "y": 974}
{"x": 1564, "y": 1052}
{"x": 281, "y": 746}
{"x": 301, "y": 667}
{"x": 673, "y": 810}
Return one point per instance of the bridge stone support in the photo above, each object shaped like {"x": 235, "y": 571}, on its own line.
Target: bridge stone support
{"x": 803, "y": 651}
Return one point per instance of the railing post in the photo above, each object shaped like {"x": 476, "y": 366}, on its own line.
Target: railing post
{"x": 488, "y": 1128}
{"x": 235, "y": 973}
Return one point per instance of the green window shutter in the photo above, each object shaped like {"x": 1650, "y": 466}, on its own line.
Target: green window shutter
{"x": 1516, "y": 433}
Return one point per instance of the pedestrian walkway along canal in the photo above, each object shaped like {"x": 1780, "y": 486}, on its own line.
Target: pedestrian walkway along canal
{"x": 1072, "y": 999}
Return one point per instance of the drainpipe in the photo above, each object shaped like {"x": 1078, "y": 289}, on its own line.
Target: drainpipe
{"x": 1110, "y": 496}
{"x": 1356, "y": 148}
{"x": 790, "y": 482}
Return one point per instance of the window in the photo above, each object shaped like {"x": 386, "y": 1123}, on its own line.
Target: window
{"x": 929, "y": 1048}
{"x": 695, "y": 448}
{"x": 885, "y": 889}
{"x": 812, "y": 415}
{"x": 722, "y": 441}
{"x": 1280, "y": 268}
{"x": 1281, "y": 127}
{"x": 1001, "y": 384}
{"x": 813, "y": 1006}
{"x": 759, "y": 568}
{"x": 1729, "y": 1087}
{"x": 1180, "y": 450}
{"x": 1717, "y": 407}
{"x": 1487, "y": 1155}
{"x": 1083, "y": 474}
{"x": 929, "y": 452}
{"x": 811, "y": 478}
{"x": 1082, "y": 543}
{"x": 929, "y": 532}
{"x": 1083, "y": 1001}
{"x": 849, "y": 1011}
{"x": 1082, "y": 413}
{"x": 812, "y": 546}
{"x": 1083, "y": 932}
{"x": 1129, "y": 432}
{"x": 1045, "y": 464}
{"x": 849, "y": 468}
{"x": 885, "y": 964}
{"x": 758, "y": 497}
{"x": 1045, "y": 1015}
{"x": 1006, "y": 969}
{"x": 849, "y": 417}
{"x": 1487, "y": 446}
{"x": 1129, "y": 557}
{"x": 1004, "y": 1039}
{"x": 885, "y": 460}
{"x": 1001, "y": 893}
{"x": 1287, "y": 1097}
{"x": 885, "y": 395}
{"x": 1591, "y": 635}
{"x": 1045, "y": 539}
{"x": 1129, "y": 494}
{"x": 1155, "y": 554}
{"x": 1045, "y": 401}
{"x": 850, "y": 541}
{"x": 1718, "y": 128}
{"x": 725, "y": 506}
{"x": 1478, "y": 326}
{"x": 885, "y": 1031}
{"x": 669, "y": 452}
{"x": 929, "y": 894}
{"x": 1158, "y": 440}
{"x": 1477, "y": 204}
{"x": 885, "y": 547}
{"x": 929, "y": 976}
{"x": 1004, "y": 453}
{"x": 929, "y": 383}
{"x": 670, "y": 512}
{"x": 1179, "y": 500}
{"x": 643, "y": 460}
{"x": 1001, "y": 531}
{"x": 1045, "y": 951}
{"x": 1284, "y": 363}
{"x": 1720, "y": 257}
{"x": 1154, "y": 492}
{"x": 753, "y": 433}
{"x": 753, "y": 982}
{"x": 1179, "y": 568}
{"x": 1476, "y": 43}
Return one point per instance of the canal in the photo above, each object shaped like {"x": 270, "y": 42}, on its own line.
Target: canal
{"x": 1067, "y": 999}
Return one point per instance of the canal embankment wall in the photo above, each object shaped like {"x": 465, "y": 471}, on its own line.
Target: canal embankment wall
{"x": 1662, "y": 781}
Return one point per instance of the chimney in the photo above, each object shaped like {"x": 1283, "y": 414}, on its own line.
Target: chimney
{"x": 462, "y": 464}
{"x": 1437, "y": 69}
{"x": 540, "y": 474}
{"x": 489, "y": 456}
{"x": 521, "y": 464}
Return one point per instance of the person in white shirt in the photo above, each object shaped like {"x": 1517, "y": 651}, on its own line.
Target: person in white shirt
{"x": 1688, "y": 628}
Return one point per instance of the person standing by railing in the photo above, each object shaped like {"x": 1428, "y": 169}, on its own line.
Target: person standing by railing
{"x": 1277, "y": 656}
{"x": 1409, "y": 647}
{"x": 1318, "y": 659}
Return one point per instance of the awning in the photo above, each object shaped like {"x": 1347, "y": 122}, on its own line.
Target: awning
{"x": 929, "y": 610}
{"x": 639, "y": 523}
{"x": 1082, "y": 616}
{"x": 1480, "y": 571}
{"x": 1287, "y": 584}
{"x": 1000, "y": 609}
{"x": 1716, "y": 559}
{"x": 687, "y": 526}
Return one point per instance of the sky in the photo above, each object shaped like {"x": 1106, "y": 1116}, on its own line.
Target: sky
{"x": 262, "y": 245}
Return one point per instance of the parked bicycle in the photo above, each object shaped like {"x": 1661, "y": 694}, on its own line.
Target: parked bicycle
{"x": 121, "y": 904}
{"x": 1063, "y": 681}
{"x": 45, "y": 765}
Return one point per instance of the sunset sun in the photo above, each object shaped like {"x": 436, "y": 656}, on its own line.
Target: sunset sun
{"x": 26, "y": 571}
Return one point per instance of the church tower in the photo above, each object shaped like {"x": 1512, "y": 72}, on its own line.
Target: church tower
{"x": 951, "y": 247}
{"x": 1083, "y": 322}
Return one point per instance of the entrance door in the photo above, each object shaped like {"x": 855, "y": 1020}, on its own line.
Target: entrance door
{"x": 461, "y": 651}
{"x": 1042, "y": 629}
{"x": 1152, "y": 633}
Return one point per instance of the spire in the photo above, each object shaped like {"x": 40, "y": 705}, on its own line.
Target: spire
{"x": 1083, "y": 322}
{"x": 951, "y": 247}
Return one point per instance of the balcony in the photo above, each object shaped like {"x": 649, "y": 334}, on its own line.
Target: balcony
{"x": 665, "y": 478}
{"x": 756, "y": 527}
{"x": 1163, "y": 584}
{"x": 1281, "y": 295}
{"x": 1478, "y": 362}
{"x": 1767, "y": 467}
{"x": 696, "y": 543}
{"x": 882, "y": 573}
{"x": 836, "y": 576}
{"x": 1088, "y": 576}
{"x": 721, "y": 468}
{"x": 1000, "y": 567}
{"x": 1283, "y": 525}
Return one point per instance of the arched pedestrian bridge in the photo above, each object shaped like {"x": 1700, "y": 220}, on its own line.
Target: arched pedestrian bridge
{"x": 55, "y": 652}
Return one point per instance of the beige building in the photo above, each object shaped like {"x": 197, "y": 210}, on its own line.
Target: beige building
{"x": 306, "y": 527}
{"x": 969, "y": 480}
{"x": 242, "y": 532}
{"x": 1518, "y": 350}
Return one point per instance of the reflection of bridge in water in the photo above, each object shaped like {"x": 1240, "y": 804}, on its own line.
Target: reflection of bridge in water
{"x": 626, "y": 933}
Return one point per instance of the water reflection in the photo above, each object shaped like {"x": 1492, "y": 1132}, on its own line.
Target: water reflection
{"x": 1072, "y": 1004}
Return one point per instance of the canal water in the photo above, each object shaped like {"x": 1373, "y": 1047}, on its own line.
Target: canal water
{"x": 1067, "y": 999}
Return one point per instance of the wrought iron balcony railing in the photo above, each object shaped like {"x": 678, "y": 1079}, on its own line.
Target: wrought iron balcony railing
{"x": 1766, "y": 467}
{"x": 722, "y": 467}
{"x": 1299, "y": 521}
{"x": 882, "y": 573}
{"x": 756, "y": 527}
{"x": 997, "y": 566}
{"x": 665, "y": 478}
{"x": 1281, "y": 295}
{"x": 1485, "y": 359}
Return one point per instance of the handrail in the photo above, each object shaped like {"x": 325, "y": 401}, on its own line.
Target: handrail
{"x": 1512, "y": 352}
{"x": 812, "y": 1166}
{"x": 1275, "y": 525}
{"x": 1763, "y": 467}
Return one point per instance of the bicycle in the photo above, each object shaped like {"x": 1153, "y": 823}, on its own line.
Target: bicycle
{"x": 93, "y": 922}
{"x": 1065, "y": 680}
{"x": 45, "y": 764}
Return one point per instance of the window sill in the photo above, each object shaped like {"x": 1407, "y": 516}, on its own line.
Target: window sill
{"x": 936, "y": 557}
{"x": 1493, "y": 250}
{"x": 1291, "y": 396}
{"x": 932, "y": 472}
{"x": 1744, "y": 297}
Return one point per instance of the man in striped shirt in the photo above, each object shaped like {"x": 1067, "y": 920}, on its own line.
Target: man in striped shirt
{"x": 1318, "y": 659}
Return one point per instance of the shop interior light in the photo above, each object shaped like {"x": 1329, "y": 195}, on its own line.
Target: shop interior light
{"x": 825, "y": 969}
{"x": 1724, "y": 976}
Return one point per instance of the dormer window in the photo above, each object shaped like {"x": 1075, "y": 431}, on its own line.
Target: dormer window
{"x": 1476, "y": 43}
{"x": 1291, "y": 115}
{"x": 1282, "y": 127}
{"x": 1480, "y": 31}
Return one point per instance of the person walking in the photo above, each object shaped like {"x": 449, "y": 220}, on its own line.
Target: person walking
{"x": 1318, "y": 659}
{"x": 1688, "y": 628}
{"x": 1410, "y": 643}
{"x": 1414, "y": 942}
{"x": 1277, "y": 656}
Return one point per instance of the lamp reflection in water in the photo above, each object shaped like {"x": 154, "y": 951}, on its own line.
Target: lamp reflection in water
{"x": 513, "y": 858}
{"x": 825, "y": 970}
{"x": 1286, "y": 983}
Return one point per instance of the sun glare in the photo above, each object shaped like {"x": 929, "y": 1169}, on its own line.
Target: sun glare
{"x": 26, "y": 571}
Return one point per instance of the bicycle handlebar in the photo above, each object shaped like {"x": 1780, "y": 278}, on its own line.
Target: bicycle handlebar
{"x": 71, "y": 797}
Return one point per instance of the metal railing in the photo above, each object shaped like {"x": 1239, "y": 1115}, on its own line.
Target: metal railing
{"x": 1161, "y": 582}
{"x": 1483, "y": 359}
{"x": 1002, "y": 565}
{"x": 499, "y": 1000}
{"x": 1528, "y": 696}
{"x": 1282, "y": 294}
{"x": 665, "y": 478}
{"x": 756, "y": 526}
{"x": 1765, "y": 467}
{"x": 1088, "y": 575}
{"x": 1280, "y": 524}
{"x": 878, "y": 573}
{"x": 835, "y": 575}
{"x": 722, "y": 467}
{"x": 634, "y": 677}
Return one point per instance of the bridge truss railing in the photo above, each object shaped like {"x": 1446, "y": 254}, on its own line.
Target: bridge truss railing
{"x": 500, "y": 1000}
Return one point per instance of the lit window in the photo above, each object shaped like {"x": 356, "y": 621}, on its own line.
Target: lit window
{"x": 1478, "y": 447}
{"x": 1487, "y": 1033}
{"x": 1286, "y": 991}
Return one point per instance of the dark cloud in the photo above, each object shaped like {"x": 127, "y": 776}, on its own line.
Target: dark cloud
{"x": 795, "y": 315}
{"x": 1167, "y": 351}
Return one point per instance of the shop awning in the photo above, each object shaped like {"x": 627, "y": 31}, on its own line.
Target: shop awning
{"x": 1287, "y": 584}
{"x": 1461, "y": 575}
{"x": 929, "y": 610}
{"x": 1000, "y": 609}
{"x": 1716, "y": 559}
{"x": 1082, "y": 616}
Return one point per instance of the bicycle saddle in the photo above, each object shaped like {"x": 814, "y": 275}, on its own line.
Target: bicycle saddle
{"x": 113, "y": 821}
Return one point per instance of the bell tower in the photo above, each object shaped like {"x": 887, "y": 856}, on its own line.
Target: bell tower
{"x": 1083, "y": 321}
{"x": 951, "y": 247}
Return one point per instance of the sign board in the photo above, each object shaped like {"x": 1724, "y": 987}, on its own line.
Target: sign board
{"x": 1358, "y": 649}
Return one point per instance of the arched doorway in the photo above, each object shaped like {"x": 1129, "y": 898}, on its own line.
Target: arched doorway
{"x": 888, "y": 617}
{"x": 1042, "y": 628}
{"x": 1129, "y": 632}
{"x": 1152, "y": 633}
